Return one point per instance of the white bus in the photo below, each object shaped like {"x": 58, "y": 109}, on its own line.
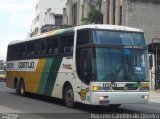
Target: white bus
{"x": 90, "y": 64}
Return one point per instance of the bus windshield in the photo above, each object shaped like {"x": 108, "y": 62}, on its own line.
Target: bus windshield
{"x": 118, "y": 38}
{"x": 120, "y": 64}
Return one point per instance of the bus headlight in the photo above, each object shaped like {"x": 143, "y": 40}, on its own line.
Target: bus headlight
{"x": 96, "y": 88}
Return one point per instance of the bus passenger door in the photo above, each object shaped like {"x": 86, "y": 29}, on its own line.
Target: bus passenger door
{"x": 86, "y": 74}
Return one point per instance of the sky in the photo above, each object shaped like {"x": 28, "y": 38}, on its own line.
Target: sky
{"x": 15, "y": 21}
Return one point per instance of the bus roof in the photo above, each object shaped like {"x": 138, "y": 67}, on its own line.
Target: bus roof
{"x": 110, "y": 27}
{"x": 69, "y": 30}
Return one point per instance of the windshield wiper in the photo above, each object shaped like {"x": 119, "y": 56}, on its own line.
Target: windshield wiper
{"x": 110, "y": 77}
{"x": 131, "y": 71}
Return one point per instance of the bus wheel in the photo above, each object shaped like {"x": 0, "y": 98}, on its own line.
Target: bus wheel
{"x": 16, "y": 87}
{"x": 22, "y": 88}
{"x": 114, "y": 106}
{"x": 69, "y": 96}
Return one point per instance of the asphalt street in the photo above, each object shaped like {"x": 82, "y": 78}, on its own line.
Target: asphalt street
{"x": 35, "y": 106}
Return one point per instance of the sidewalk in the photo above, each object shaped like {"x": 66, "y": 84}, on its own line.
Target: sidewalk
{"x": 154, "y": 96}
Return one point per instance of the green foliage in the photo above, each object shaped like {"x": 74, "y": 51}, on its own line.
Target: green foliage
{"x": 93, "y": 16}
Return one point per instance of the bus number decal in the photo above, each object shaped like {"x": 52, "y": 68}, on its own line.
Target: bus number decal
{"x": 109, "y": 85}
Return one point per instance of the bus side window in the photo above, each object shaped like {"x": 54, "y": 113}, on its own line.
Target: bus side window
{"x": 69, "y": 44}
{"x": 66, "y": 43}
{"x": 20, "y": 51}
{"x": 62, "y": 44}
{"x": 25, "y": 49}
{"x": 9, "y": 52}
{"x": 14, "y": 52}
{"x": 83, "y": 37}
{"x": 37, "y": 48}
{"x": 43, "y": 48}
{"x": 31, "y": 49}
{"x": 49, "y": 46}
{"x": 55, "y": 45}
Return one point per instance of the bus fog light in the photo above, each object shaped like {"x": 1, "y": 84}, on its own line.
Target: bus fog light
{"x": 144, "y": 96}
{"x": 103, "y": 97}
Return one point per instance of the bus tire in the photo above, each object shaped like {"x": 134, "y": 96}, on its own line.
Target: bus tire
{"x": 21, "y": 88}
{"x": 16, "y": 86}
{"x": 69, "y": 96}
{"x": 114, "y": 106}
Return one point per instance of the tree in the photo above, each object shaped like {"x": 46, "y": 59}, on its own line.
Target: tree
{"x": 94, "y": 16}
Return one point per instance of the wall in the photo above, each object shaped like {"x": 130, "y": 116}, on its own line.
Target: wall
{"x": 145, "y": 15}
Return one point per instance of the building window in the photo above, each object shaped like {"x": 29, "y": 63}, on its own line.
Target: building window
{"x": 114, "y": 11}
{"x": 82, "y": 11}
{"x": 108, "y": 14}
{"x": 74, "y": 14}
{"x": 120, "y": 16}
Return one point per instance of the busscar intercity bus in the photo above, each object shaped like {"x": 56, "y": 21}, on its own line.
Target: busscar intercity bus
{"x": 89, "y": 64}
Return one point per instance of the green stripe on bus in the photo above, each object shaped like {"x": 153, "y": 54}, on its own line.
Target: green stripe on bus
{"x": 52, "y": 76}
{"x": 45, "y": 75}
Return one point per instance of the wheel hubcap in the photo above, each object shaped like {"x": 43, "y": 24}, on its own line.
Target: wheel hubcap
{"x": 22, "y": 89}
{"x": 69, "y": 97}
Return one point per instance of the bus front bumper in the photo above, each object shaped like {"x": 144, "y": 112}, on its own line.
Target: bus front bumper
{"x": 106, "y": 98}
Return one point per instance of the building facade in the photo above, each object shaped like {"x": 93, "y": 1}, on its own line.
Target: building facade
{"x": 76, "y": 10}
{"x": 51, "y": 21}
{"x": 46, "y": 12}
{"x": 143, "y": 14}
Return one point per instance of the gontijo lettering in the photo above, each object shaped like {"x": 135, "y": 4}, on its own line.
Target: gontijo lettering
{"x": 26, "y": 65}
